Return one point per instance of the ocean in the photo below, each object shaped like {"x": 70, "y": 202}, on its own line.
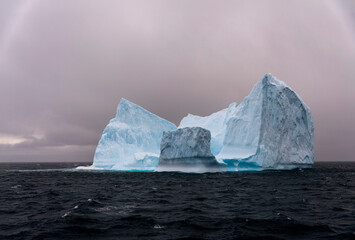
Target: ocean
{"x": 53, "y": 201}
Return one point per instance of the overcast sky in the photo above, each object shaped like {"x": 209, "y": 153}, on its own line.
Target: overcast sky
{"x": 64, "y": 65}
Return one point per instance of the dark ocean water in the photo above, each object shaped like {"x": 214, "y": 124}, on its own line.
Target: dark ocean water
{"x": 317, "y": 203}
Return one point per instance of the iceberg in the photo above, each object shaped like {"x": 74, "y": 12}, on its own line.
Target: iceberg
{"x": 271, "y": 129}
{"x": 131, "y": 141}
{"x": 216, "y": 123}
{"x": 187, "y": 150}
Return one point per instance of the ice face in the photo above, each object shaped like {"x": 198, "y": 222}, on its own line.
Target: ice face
{"x": 243, "y": 128}
{"x": 216, "y": 123}
{"x": 272, "y": 128}
{"x": 188, "y": 150}
{"x": 131, "y": 141}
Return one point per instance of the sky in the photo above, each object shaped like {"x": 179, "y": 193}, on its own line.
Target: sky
{"x": 64, "y": 66}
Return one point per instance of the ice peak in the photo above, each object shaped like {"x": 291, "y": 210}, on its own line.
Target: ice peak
{"x": 125, "y": 101}
{"x": 125, "y": 104}
{"x": 126, "y": 110}
{"x": 269, "y": 79}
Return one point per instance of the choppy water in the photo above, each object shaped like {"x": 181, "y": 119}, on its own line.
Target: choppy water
{"x": 317, "y": 203}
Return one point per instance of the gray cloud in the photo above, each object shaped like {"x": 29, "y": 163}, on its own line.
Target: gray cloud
{"x": 64, "y": 65}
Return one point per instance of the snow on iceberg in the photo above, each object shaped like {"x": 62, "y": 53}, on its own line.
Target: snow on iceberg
{"x": 271, "y": 129}
{"x": 216, "y": 123}
{"x": 131, "y": 141}
{"x": 188, "y": 150}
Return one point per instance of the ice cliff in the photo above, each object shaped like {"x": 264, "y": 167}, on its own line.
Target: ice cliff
{"x": 131, "y": 141}
{"x": 188, "y": 150}
{"x": 271, "y": 129}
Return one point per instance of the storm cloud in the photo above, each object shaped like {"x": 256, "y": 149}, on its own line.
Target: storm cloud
{"x": 64, "y": 65}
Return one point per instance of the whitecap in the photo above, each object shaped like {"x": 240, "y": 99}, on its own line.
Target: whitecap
{"x": 157, "y": 226}
{"x": 66, "y": 214}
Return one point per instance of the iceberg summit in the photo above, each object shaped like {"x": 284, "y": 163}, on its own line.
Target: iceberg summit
{"x": 272, "y": 128}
